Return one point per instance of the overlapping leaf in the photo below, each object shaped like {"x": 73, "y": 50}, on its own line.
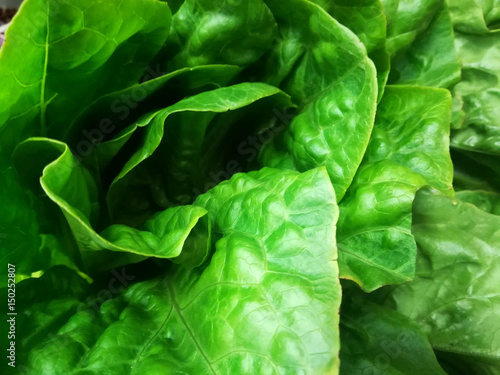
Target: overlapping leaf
{"x": 406, "y": 152}
{"x": 378, "y": 340}
{"x": 267, "y": 301}
{"x": 454, "y": 296}
{"x": 51, "y": 48}
{"x": 325, "y": 69}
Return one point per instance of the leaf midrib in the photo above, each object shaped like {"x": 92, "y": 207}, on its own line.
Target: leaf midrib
{"x": 181, "y": 317}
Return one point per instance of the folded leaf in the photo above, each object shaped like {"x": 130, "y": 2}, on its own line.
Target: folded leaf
{"x": 475, "y": 16}
{"x": 51, "y": 49}
{"x": 174, "y": 147}
{"x": 367, "y": 20}
{"x": 267, "y": 302}
{"x": 406, "y": 152}
{"x": 478, "y": 93}
{"x": 431, "y": 59}
{"x": 325, "y": 69}
{"x": 406, "y": 20}
{"x": 454, "y": 296}
{"x": 69, "y": 184}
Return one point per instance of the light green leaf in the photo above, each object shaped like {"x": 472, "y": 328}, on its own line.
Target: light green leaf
{"x": 431, "y": 60}
{"x": 406, "y": 152}
{"x": 454, "y": 296}
{"x": 71, "y": 44}
{"x": 69, "y": 184}
{"x": 406, "y": 20}
{"x": 266, "y": 303}
{"x": 115, "y": 111}
{"x": 53, "y": 47}
{"x": 475, "y": 16}
{"x": 367, "y": 20}
{"x": 325, "y": 69}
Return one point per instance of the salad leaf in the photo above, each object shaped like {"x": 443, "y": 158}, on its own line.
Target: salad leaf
{"x": 71, "y": 187}
{"x": 479, "y": 93}
{"x": 378, "y": 340}
{"x": 456, "y": 281}
{"x": 39, "y": 71}
{"x": 367, "y": 20}
{"x": 325, "y": 69}
{"x": 376, "y": 246}
{"x": 431, "y": 60}
{"x": 222, "y": 32}
{"x": 180, "y": 150}
{"x": 259, "y": 277}
{"x": 406, "y": 20}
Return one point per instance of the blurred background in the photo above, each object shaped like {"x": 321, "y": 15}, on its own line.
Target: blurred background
{"x": 7, "y": 10}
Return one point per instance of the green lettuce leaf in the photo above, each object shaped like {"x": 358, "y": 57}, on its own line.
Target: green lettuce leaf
{"x": 325, "y": 69}
{"x": 179, "y": 143}
{"x": 220, "y": 32}
{"x": 431, "y": 60}
{"x": 406, "y": 152}
{"x": 115, "y": 111}
{"x": 267, "y": 301}
{"x": 70, "y": 185}
{"x": 475, "y": 16}
{"x": 378, "y": 340}
{"x": 454, "y": 296}
{"x": 367, "y": 20}
{"x": 478, "y": 94}
{"x": 70, "y": 44}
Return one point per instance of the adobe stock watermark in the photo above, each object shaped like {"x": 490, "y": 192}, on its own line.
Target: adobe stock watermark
{"x": 120, "y": 108}
{"x": 250, "y": 148}
{"x": 391, "y": 351}
{"x": 119, "y": 280}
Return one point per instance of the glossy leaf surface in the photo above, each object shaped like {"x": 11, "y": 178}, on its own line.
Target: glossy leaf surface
{"x": 255, "y": 306}
{"x": 376, "y": 246}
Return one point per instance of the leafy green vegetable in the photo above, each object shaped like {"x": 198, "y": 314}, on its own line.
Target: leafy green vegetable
{"x": 431, "y": 60}
{"x": 228, "y": 32}
{"x": 177, "y": 176}
{"x": 376, "y": 246}
{"x": 179, "y": 159}
{"x": 326, "y": 71}
{"x": 258, "y": 305}
{"x": 454, "y": 296}
{"x": 378, "y": 340}
{"x": 39, "y": 72}
{"x": 367, "y": 20}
